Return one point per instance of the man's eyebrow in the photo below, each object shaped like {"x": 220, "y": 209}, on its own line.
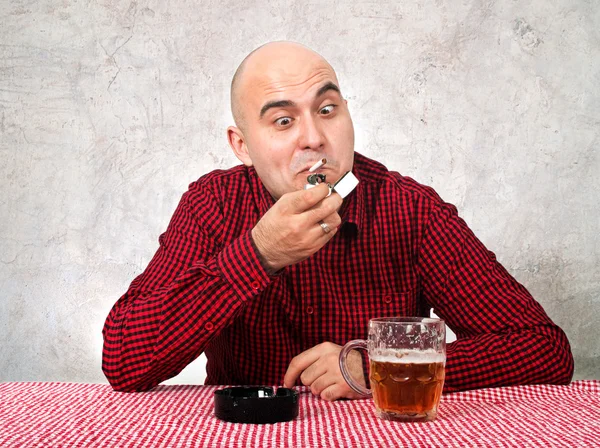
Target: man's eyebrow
{"x": 287, "y": 103}
{"x": 272, "y": 104}
{"x": 326, "y": 88}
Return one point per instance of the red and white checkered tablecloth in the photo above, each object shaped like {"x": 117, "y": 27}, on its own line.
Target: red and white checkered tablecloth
{"x": 82, "y": 415}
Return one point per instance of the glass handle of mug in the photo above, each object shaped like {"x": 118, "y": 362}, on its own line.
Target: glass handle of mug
{"x": 352, "y": 345}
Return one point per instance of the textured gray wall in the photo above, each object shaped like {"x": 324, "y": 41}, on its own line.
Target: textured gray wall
{"x": 110, "y": 108}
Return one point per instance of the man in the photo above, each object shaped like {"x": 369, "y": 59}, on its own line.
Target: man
{"x": 269, "y": 279}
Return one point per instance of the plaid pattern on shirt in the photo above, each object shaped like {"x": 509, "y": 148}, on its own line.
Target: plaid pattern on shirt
{"x": 400, "y": 251}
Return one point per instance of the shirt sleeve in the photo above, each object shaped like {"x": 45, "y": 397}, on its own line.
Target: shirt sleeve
{"x": 193, "y": 287}
{"x": 504, "y": 337}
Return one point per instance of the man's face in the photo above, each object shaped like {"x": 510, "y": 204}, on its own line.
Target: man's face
{"x": 295, "y": 116}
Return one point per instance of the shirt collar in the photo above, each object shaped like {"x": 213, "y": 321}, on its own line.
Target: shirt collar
{"x": 262, "y": 197}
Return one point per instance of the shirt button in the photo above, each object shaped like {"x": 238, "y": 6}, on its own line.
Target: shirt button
{"x": 309, "y": 310}
{"x": 387, "y": 299}
{"x": 255, "y": 284}
{"x": 209, "y": 326}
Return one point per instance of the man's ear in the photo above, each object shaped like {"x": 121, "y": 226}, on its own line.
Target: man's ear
{"x": 237, "y": 141}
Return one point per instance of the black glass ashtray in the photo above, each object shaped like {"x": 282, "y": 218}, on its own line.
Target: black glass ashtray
{"x": 256, "y": 404}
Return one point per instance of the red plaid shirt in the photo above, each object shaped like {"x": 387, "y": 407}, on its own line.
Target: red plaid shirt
{"x": 400, "y": 251}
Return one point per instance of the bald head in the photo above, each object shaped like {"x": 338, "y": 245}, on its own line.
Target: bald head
{"x": 271, "y": 59}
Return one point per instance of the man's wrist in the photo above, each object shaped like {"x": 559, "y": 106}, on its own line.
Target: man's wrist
{"x": 241, "y": 267}
{"x": 260, "y": 252}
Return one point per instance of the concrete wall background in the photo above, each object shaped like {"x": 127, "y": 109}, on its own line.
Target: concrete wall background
{"x": 110, "y": 108}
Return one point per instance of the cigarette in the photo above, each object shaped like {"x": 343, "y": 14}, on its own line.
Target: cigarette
{"x": 317, "y": 165}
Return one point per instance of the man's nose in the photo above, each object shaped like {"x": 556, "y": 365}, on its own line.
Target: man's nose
{"x": 311, "y": 134}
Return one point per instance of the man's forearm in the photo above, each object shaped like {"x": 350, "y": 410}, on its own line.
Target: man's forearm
{"x": 504, "y": 335}
{"x": 528, "y": 356}
{"x": 191, "y": 290}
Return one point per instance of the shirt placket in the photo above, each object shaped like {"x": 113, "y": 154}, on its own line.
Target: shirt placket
{"x": 306, "y": 292}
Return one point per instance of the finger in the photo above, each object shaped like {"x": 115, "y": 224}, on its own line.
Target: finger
{"x": 327, "y": 207}
{"x": 312, "y": 372}
{"x": 322, "y": 383}
{"x": 302, "y": 200}
{"x": 321, "y": 235}
{"x": 333, "y": 221}
{"x": 299, "y": 364}
{"x": 335, "y": 392}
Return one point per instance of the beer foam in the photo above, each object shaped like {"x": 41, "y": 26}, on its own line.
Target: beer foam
{"x": 399, "y": 356}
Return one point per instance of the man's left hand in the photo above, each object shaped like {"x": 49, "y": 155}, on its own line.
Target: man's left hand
{"x": 319, "y": 369}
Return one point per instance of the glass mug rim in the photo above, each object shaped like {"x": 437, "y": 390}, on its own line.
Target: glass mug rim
{"x": 401, "y": 320}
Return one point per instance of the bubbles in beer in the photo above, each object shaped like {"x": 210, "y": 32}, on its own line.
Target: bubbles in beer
{"x": 407, "y": 356}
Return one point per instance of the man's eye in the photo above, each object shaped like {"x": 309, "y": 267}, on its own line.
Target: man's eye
{"x": 283, "y": 121}
{"x": 327, "y": 109}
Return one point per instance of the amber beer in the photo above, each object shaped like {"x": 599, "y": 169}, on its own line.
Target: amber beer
{"x": 407, "y": 385}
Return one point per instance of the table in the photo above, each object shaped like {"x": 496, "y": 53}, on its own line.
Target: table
{"x": 82, "y": 415}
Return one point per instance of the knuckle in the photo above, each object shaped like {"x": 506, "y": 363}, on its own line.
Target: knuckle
{"x": 332, "y": 357}
{"x": 331, "y": 205}
{"x": 324, "y": 189}
{"x": 328, "y": 395}
{"x": 298, "y": 200}
{"x": 319, "y": 214}
{"x": 330, "y": 210}
{"x": 337, "y": 220}
{"x": 306, "y": 195}
{"x": 282, "y": 206}
{"x": 330, "y": 346}
{"x": 336, "y": 200}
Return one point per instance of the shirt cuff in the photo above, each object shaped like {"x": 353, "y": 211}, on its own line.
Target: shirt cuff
{"x": 241, "y": 267}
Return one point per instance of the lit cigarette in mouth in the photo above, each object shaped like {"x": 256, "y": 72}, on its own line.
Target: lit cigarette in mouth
{"x": 317, "y": 165}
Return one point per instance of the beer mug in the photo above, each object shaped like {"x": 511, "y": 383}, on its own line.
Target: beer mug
{"x": 407, "y": 357}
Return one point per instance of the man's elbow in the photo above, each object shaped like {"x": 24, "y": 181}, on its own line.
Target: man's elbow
{"x": 129, "y": 386}
{"x": 127, "y": 383}
{"x": 562, "y": 365}
{"x": 566, "y": 368}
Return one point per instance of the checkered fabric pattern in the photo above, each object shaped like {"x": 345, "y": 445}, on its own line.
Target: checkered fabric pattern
{"x": 93, "y": 415}
{"x": 400, "y": 251}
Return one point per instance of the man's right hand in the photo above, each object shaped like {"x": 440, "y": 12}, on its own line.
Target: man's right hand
{"x": 290, "y": 231}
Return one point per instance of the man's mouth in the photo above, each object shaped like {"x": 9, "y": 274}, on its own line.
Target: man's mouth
{"x": 316, "y": 167}
{"x": 307, "y": 170}
{"x": 318, "y": 164}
